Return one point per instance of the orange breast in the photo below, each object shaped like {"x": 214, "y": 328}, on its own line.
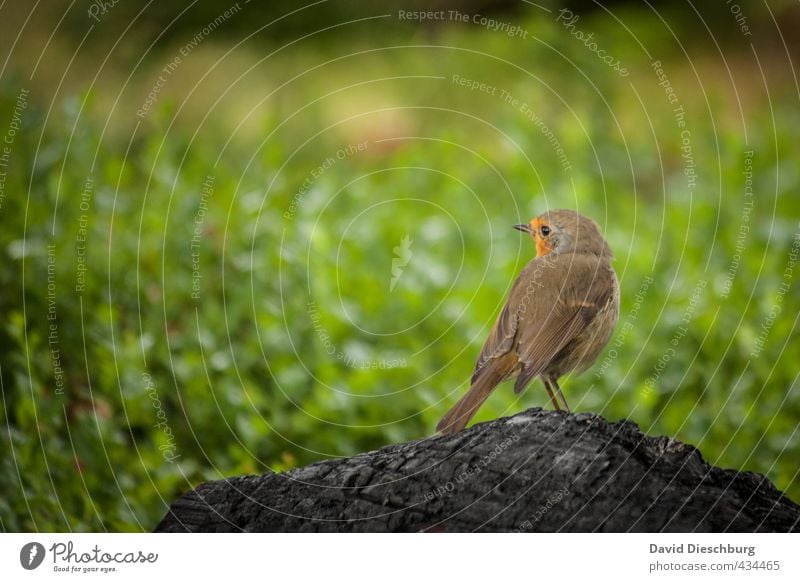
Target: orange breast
{"x": 542, "y": 248}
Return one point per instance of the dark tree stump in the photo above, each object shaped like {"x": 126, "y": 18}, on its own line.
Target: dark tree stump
{"x": 536, "y": 471}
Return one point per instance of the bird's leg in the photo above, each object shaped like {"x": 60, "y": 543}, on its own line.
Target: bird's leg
{"x": 560, "y": 394}
{"x": 550, "y": 393}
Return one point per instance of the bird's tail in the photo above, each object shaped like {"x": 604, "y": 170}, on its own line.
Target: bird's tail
{"x": 458, "y": 416}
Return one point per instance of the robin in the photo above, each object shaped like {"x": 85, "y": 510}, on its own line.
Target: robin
{"x": 558, "y": 317}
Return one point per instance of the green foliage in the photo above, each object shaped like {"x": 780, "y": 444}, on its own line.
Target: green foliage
{"x": 296, "y": 345}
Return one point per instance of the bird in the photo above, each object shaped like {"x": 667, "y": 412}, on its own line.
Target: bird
{"x": 559, "y": 315}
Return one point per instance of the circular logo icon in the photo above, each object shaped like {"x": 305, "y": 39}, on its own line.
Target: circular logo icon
{"x": 31, "y": 555}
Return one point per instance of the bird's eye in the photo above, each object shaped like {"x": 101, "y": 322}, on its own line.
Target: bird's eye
{"x": 545, "y": 230}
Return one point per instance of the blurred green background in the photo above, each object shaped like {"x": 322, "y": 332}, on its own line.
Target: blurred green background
{"x": 237, "y": 238}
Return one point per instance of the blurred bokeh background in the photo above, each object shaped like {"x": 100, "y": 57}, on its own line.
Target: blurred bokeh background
{"x": 241, "y": 236}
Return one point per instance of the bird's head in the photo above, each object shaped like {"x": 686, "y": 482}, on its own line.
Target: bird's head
{"x": 566, "y": 231}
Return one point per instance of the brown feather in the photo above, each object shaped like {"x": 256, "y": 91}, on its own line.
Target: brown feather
{"x": 564, "y": 311}
{"x": 492, "y": 374}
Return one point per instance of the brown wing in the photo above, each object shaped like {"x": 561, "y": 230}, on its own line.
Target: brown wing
{"x": 578, "y": 288}
{"x": 495, "y": 362}
{"x": 499, "y": 342}
{"x": 501, "y": 338}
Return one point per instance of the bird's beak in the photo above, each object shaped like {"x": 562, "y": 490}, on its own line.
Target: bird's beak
{"x": 523, "y": 227}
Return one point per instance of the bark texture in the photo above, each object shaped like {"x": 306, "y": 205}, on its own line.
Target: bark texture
{"x": 536, "y": 471}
